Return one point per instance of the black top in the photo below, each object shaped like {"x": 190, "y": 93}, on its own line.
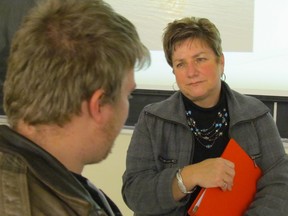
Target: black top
{"x": 204, "y": 118}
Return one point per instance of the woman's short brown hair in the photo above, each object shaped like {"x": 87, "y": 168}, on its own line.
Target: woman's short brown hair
{"x": 191, "y": 28}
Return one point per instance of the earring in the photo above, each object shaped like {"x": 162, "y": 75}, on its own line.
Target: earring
{"x": 223, "y": 76}
{"x": 175, "y": 86}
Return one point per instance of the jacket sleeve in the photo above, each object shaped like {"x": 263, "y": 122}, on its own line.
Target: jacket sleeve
{"x": 272, "y": 188}
{"x": 147, "y": 188}
{"x": 14, "y": 197}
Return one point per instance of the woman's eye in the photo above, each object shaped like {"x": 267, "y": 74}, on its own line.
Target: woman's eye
{"x": 179, "y": 65}
{"x": 199, "y": 60}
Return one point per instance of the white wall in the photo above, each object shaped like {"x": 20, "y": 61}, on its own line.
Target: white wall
{"x": 235, "y": 19}
{"x": 108, "y": 174}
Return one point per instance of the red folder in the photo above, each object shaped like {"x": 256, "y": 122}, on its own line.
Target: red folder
{"x": 215, "y": 202}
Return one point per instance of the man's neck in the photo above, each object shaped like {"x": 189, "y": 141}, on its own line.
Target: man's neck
{"x": 58, "y": 141}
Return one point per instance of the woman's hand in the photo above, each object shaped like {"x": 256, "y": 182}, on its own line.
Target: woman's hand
{"x": 213, "y": 172}
{"x": 210, "y": 173}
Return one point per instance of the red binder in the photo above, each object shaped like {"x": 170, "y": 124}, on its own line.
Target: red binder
{"x": 215, "y": 202}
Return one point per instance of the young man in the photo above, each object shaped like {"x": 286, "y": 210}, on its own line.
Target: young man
{"x": 69, "y": 77}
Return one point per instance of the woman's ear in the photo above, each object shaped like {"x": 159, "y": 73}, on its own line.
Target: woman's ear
{"x": 222, "y": 61}
{"x": 95, "y": 104}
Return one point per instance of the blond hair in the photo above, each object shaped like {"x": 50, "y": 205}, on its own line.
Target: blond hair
{"x": 63, "y": 52}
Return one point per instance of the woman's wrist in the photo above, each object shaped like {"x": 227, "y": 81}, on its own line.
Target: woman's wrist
{"x": 181, "y": 184}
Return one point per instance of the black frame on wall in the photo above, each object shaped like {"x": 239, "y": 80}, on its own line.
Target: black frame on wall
{"x": 278, "y": 106}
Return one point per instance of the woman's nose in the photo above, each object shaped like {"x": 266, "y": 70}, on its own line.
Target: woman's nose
{"x": 192, "y": 70}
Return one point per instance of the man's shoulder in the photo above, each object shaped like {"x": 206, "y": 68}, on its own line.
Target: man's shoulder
{"x": 13, "y": 185}
{"x": 9, "y": 155}
{"x": 11, "y": 162}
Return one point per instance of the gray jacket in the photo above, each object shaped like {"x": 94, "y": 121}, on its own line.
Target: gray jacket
{"x": 162, "y": 143}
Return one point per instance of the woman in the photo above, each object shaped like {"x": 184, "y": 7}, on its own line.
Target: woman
{"x": 177, "y": 143}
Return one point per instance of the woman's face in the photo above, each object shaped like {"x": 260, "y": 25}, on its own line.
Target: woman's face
{"x": 198, "y": 72}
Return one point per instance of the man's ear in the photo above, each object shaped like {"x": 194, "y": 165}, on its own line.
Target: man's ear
{"x": 95, "y": 104}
